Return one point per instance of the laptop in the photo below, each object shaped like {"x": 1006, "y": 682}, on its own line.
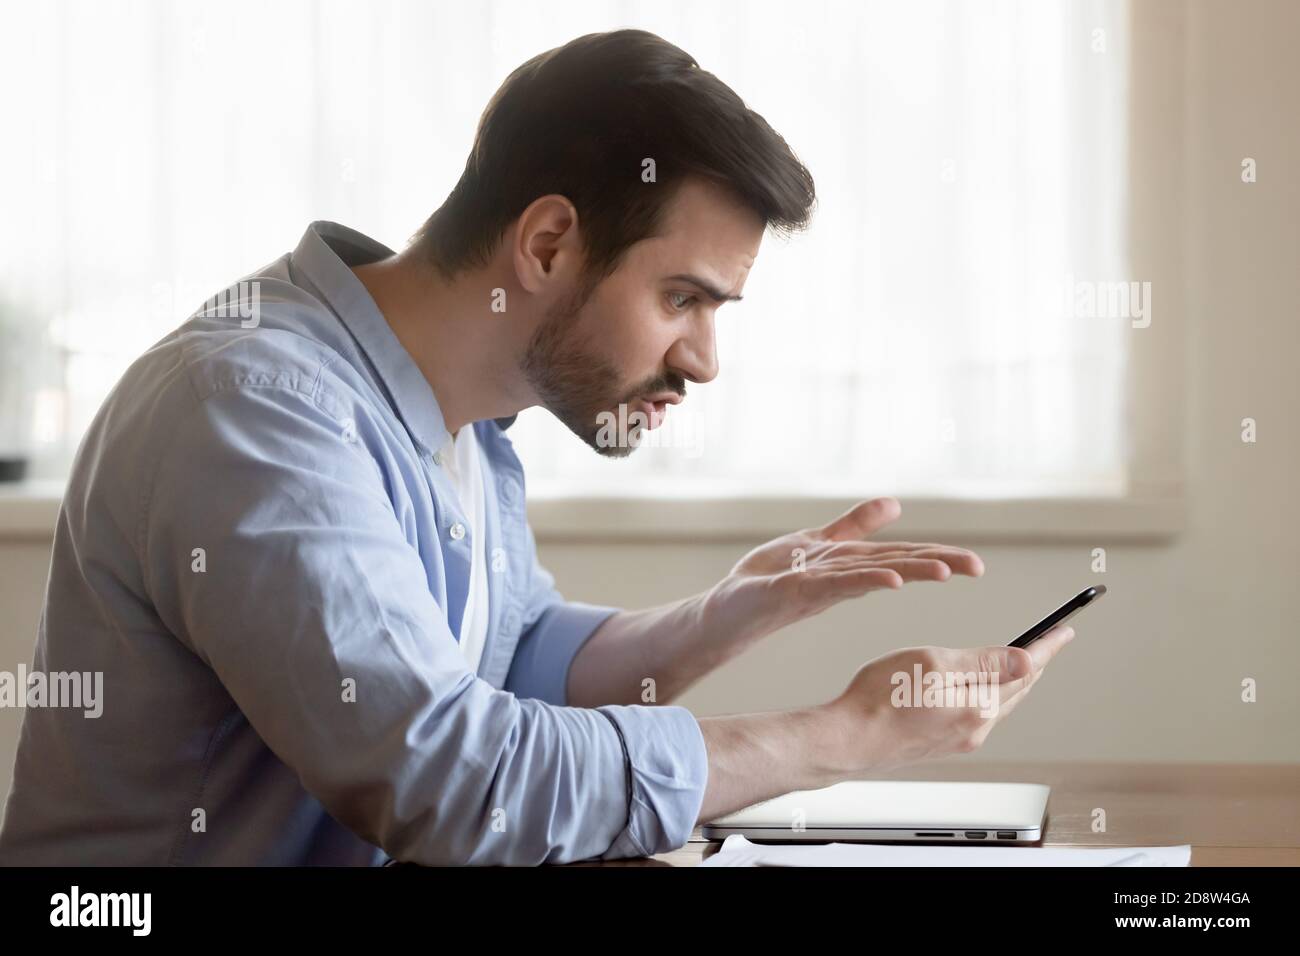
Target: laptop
{"x": 903, "y": 811}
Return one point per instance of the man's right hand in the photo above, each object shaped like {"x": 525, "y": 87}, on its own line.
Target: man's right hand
{"x": 753, "y": 757}
{"x": 877, "y": 721}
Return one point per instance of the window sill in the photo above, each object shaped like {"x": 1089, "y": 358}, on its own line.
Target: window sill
{"x": 1148, "y": 518}
{"x": 29, "y": 511}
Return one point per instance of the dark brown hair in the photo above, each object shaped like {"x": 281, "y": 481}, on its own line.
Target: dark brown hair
{"x": 579, "y": 120}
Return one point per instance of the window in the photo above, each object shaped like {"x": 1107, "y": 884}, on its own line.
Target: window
{"x": 951, "y": 326}
{"x": 919, "y": 339}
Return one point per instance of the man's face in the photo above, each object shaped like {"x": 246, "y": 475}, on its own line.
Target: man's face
{"x": 646, "y": 329}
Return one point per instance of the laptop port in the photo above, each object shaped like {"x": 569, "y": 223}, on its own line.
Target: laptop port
{"x": 1006, "y": 834}
{"x": 976, "y": 834}
{"x": 922, "y": 835}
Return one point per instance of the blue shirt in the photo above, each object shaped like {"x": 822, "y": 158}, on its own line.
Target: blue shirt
{"x": 259, "y": 552}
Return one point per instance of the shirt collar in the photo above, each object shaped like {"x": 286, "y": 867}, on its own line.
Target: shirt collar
{"x": 324, "y": 254}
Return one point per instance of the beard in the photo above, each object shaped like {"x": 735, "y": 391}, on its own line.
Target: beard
{"x": 580, "y": 387}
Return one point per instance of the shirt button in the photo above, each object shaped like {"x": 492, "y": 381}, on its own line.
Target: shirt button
{"x": 436, "y": 457}
{"x": 457, "y": 531}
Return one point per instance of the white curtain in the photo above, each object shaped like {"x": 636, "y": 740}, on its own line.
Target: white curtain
{"x": 969, "y": 160}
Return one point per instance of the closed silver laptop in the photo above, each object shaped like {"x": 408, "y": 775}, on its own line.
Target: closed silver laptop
{"x": 895, "y": 811}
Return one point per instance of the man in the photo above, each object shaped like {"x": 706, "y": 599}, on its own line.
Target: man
{"x": 294, "y": 539}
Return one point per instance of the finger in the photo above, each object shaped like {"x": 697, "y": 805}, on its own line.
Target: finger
{"x": 961, "y": 560}
{"x": 1010, "y": 693}
{"x": 908, "y": 568}
{"x": 996, "y": 661}
{"x": 910, "y": 546}
{"x": 1009, "y": 701}
{"x": 840, "y": 585}
{"x": 997, "y": 701}
{"x": 1051, "y": 644}
{"x": 917, "y": 569}
{"x": 929, "y": 567}
{"x": 1003, "y": 710}
{"x": 863, "y": 519}
{"x": 956, "y": 561}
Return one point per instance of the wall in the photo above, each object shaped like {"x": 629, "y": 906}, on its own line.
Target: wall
{"x": 1155, "y": 672}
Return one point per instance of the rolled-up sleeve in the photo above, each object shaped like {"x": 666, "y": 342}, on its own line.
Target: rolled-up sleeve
{"x": 668, "y": 768}
{"x": 554, "y": 632}
{"x": 667, "y": 761}
{"x": 273, "y": 552}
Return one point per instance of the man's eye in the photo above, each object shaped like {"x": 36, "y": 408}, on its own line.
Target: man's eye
{"x": 682, "y": 306}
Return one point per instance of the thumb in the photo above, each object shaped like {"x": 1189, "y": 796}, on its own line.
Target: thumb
{"x": 863, "y": 519}
{"x": 1009, "y": 663}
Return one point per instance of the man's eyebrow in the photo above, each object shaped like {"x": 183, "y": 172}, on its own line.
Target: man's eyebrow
{"x": 713, "y": 292}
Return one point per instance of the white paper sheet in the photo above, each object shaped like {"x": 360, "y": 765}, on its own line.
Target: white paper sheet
{"x": 737, "y": 851}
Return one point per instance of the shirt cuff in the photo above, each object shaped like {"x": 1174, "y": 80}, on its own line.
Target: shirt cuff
{"x": 540, "y": 668}
{"x": 668, "y": 769}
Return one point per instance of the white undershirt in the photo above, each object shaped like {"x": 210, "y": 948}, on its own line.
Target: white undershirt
{"x": 460, "y": 461}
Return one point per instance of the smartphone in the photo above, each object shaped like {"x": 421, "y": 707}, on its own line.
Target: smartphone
{"x": 1060, "y": 615}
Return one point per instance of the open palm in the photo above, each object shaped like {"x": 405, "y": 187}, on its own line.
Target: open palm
{"x": 802, "y": 573}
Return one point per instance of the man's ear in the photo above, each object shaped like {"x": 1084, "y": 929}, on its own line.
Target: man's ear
{"x": 546, "y": 244}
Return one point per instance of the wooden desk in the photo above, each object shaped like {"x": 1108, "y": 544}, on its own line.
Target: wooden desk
{"x": 1231, "y": 814}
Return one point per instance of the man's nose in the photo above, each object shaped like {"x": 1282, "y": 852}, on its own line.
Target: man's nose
{"x": 695, "y": 355}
